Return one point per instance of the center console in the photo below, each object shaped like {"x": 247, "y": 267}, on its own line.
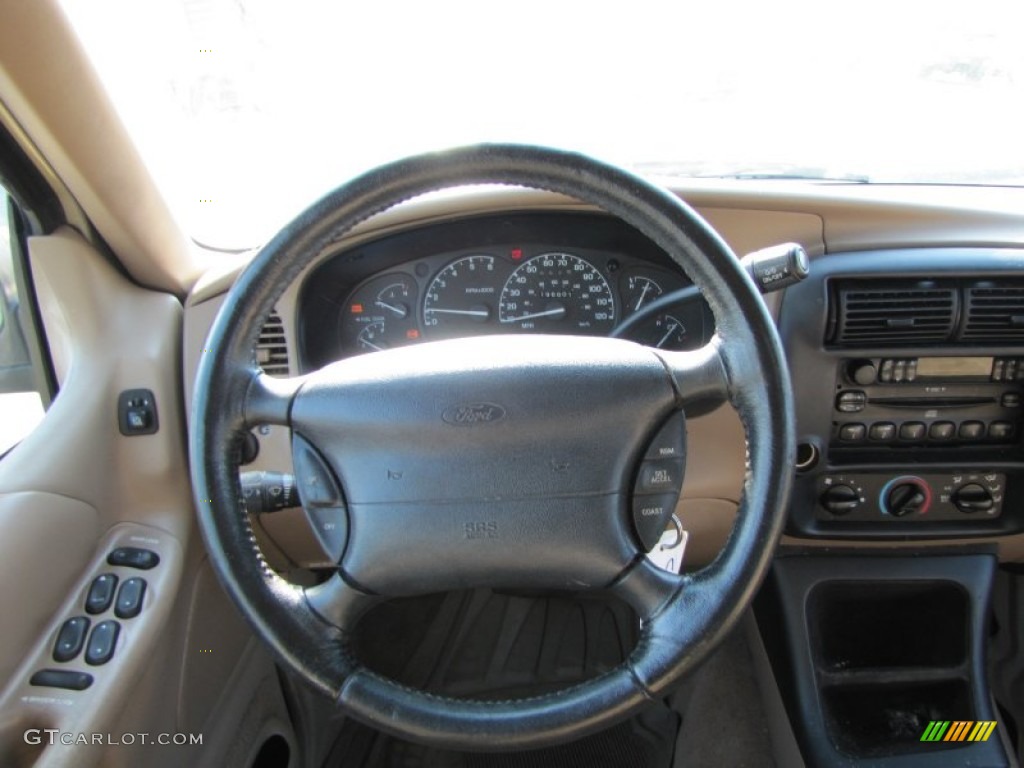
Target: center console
{"x": 908, "y": 377}
{"x": 908, "y": 374}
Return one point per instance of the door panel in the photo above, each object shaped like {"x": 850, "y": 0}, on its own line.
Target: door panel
{"x": 75, "y": 489}
{"x": 48, "y": 540}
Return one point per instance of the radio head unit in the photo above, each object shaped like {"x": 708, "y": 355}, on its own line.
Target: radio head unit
{"x": 921, "y": 401}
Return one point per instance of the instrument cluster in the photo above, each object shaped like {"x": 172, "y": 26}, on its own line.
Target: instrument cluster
{"x": 560, "y": 274}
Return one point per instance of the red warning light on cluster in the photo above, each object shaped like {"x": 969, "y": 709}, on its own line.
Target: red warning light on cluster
{"x": 356, "y": 309}
{"x": 412, "y": 333}
{"x": 517, "y": 254}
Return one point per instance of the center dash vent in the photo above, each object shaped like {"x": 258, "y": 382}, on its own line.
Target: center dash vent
{"x": 272, "y": 347}
{"x": 994, "y": 313}
{"x": 893, "y": 312}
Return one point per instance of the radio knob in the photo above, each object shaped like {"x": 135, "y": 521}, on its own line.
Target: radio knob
{"x": 862, "y": 371}
{"x": 906, "y": 498}
{"x": 971, "y": 498}
{"x": 840, "y": 499}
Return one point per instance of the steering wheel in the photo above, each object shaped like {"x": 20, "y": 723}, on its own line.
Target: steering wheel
{"x": 497, "y": 462}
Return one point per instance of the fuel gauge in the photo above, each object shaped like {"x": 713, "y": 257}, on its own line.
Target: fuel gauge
{"x": 371, "y": 337}
{"x": 682, "y": 327}
{"x": 670, "y": 332}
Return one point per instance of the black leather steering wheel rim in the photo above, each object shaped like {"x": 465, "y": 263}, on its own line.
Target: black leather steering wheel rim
{"x": 693, "y": 612}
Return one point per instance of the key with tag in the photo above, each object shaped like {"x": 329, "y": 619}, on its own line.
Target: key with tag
{"x": 668, "y": 552}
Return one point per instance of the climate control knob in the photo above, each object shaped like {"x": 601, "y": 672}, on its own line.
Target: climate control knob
{"x": 840, "y": 499}
{"x": 971, "y": 498}
{"x": 907, "y": 497}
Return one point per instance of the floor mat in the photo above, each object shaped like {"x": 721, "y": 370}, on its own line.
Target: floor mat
{"x": 643, "y": 742}
{"x": 482, "y": 644}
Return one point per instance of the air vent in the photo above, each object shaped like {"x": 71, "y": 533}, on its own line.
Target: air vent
{"x": 272, "y": 347}
{"x": 994, "y": 313}
{"x": 897, "y": 312}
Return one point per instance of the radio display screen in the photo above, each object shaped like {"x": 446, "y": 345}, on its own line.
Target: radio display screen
{"x": 954, "y": 367}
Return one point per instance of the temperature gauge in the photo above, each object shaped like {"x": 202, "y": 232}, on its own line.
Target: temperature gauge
{"x": 638, "y": 292}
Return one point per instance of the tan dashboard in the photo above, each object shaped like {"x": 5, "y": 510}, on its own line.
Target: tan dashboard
{"x": 823, "y": 219}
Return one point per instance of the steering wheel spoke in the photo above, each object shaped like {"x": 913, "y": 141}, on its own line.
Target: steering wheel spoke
{"x": 269, "y": 399}
{"x": 699, "y": 375}
{"x": 339, "y": 603}
{"x": 646, "y": 587}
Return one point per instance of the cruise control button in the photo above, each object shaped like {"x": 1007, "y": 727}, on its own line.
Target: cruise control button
{"x": 133, "y": 557}
{"x": 670, "y": 442}
{"x": 660, "y": 476}
{"x": 70, "y": 638}
{"x": 912, "y": 430}
{"x": 101, "y": 593}
{"x": 651, "y": 515}
{"x": 102, "y": 642}
{"x": 330, "y": 526}
{"x": 129, "y": 598}
{"x": 884, "y": 430}
{"x": 942, "y": 430}
{"x": 972, "y": 430}
{"x": 61, "y": 678}
{"x": 313, "y": 478}
{"x": 852, "y": 433}
{"x": 1000, "y": 430}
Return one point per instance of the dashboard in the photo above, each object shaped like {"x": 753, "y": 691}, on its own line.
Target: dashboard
{"x": 576, "y": 274}
{"x": 902, "y": 451}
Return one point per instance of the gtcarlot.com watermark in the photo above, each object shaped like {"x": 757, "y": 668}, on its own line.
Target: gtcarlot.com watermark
{"x": 53, "y": 736}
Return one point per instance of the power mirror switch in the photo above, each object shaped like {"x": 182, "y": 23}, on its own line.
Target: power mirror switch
{"x": 136, "y": 412}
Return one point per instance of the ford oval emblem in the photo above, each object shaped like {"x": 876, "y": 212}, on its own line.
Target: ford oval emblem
{"x": 470, "y": 414}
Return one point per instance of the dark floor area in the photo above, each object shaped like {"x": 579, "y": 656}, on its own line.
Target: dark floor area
{"x": 482, "y": 644}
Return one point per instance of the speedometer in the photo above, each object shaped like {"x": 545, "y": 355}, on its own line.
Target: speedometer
{"x": 557, "y": 292}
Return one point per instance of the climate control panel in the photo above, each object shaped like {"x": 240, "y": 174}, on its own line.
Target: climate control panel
{"x": 881, "y": 496}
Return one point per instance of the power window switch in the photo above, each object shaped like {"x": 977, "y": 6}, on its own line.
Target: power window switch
{"x": 101, "y": 593}
{"x": 70, "y": 638}
{"x": 129, "y": 598}
{"x": 102, "y": 642}
{"x": 134, "y": 557}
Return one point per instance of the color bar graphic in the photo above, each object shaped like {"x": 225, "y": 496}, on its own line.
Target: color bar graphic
{"x": 959, "y": 730}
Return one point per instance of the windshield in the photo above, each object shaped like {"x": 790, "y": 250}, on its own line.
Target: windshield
{"x": 247, "y": 110}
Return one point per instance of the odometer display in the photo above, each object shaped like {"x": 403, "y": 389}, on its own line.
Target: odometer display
{"x": 557, "y": 293}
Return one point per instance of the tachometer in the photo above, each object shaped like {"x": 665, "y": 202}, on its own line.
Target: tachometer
{"x": 461, "y": 297}
{"x": 557, "y": 292}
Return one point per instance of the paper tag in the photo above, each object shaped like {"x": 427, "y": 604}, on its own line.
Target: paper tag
{"x": 668, "y": 552}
